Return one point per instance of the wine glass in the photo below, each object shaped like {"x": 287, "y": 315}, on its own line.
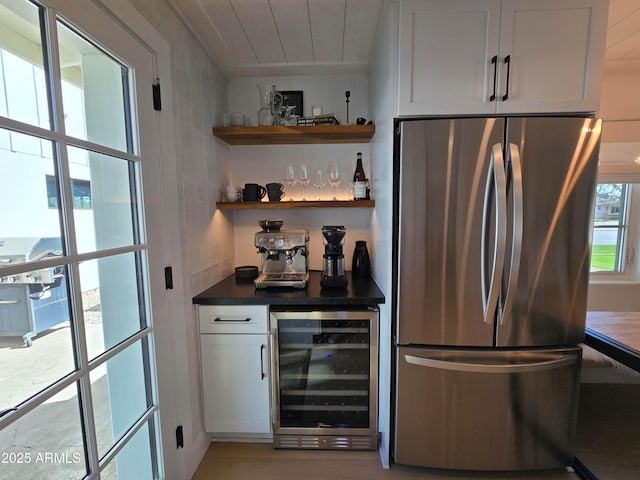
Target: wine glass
{"x": 303, "y": 178}
{"x": 290, "y": 179}
{"x": 318, "y": 181}
{"x": 334, "y": 178}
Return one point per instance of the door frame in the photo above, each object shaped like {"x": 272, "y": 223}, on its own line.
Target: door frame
{"x": 170, "y": 337}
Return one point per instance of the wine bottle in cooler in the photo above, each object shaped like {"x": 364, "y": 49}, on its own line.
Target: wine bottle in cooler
{"x": 359, "y": 180}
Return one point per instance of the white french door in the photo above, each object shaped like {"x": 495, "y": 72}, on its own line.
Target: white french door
{"x": 80, "y": 195}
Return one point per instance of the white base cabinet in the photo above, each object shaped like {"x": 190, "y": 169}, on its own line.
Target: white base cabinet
{"x": 500, "y": 56}
{"x": 234, "y": 349}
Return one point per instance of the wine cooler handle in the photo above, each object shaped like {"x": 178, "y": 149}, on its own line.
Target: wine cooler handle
{"x": 275, "y": 399}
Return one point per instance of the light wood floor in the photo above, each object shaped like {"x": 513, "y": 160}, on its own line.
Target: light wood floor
{"x": 253, "y": 461}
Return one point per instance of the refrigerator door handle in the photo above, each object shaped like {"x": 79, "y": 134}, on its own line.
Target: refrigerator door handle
{"x": 497, "y": 174}
{"x": 534, "y": 366}
{"x": 516, "y": 234}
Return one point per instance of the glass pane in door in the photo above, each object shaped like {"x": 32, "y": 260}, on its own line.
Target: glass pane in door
{"x": 36, "y": 346}
{"x": 23, "y": 90}
{"x": 135, "y": 460}
{"x": 108, "y": 193}
{"x": 94, "y": 88}
{"x": 28, "y": 191}
{"x": 47, "y": 442}
{"x": 111, "y": 301}
{"x": 119, "y": 394}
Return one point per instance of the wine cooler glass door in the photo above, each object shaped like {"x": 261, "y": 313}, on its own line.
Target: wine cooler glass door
{"x": 326, "y": 372}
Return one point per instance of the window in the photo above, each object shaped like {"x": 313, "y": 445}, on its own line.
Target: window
{"x": 610, "y": 227}
{"x": 78, "y": 396}
{"x": 81, "y": 190}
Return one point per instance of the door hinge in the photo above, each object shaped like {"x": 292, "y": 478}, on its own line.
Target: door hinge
{"x": 157, "y": 102}
{"x": 179, "y": 437}
{"x": 168, "y": 278}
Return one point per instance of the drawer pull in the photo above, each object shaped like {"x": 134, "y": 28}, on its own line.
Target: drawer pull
{"x": 8, "y": 302}
{"x": 231, "y": 320}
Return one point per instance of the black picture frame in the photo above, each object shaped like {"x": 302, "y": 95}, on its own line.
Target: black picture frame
{"x": 293, "y": 97}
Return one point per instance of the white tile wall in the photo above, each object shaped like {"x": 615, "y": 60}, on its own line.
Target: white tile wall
{"x": 199, "y": 95}
{"x": 266, "y": 163}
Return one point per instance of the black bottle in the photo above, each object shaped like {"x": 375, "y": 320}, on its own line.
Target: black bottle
{"x": 361, "y": 265}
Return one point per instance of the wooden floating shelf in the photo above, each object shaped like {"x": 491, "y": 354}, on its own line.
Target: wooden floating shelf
{"x": 295, "y": 135}
{"x": 296, "y": 204}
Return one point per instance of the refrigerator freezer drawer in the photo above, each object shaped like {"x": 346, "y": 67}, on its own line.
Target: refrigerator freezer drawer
{"x": 486, "y": 409}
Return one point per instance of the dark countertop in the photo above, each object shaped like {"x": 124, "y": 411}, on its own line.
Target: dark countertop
{"x": 359, "y": 292}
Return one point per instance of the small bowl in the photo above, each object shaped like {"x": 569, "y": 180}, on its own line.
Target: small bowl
{"x": 246, "y": 272}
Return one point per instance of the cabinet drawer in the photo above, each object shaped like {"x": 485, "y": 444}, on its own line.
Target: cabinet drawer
{"x": 233, "y": 318}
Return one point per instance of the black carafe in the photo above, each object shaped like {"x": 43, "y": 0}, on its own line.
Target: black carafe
{"x": 361, "y": 265}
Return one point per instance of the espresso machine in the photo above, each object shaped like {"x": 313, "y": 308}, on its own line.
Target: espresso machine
{"x": 284, "y": 256}
{"x": 333, "y": 271}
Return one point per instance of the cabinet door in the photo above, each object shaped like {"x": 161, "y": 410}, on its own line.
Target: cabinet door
{"x": 556, "y": 50}
{"x": 446, "y": 47}
{"x": 235, "y": 383}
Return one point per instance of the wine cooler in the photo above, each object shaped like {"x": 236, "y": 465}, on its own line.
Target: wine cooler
{"x": 325, "y": 380}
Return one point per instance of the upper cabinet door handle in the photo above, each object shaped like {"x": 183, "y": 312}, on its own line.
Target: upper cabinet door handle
{"x": 494, "y": 62}
{"x": 507, "y": 61}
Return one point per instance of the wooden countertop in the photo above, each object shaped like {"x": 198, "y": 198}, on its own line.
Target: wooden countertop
{"x": 623, "y": 327}
{"x": 359, "y": 292}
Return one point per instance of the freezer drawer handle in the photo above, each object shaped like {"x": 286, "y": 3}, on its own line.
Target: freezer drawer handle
{"x": 492, "y": 368}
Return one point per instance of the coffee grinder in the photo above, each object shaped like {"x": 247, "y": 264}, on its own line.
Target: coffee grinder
{"x": 333, "y": 272}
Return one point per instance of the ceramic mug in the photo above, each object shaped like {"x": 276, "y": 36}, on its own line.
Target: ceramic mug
{"x": 233, "y": 193}
{"x": 275, "y": 191}
{"x": 253, "y": 192}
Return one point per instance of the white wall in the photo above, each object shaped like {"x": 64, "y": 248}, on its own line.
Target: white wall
{"x": 620, "y": 109}
{"x": 383, "y": 81}
{"x": 204, "y": 239}
{"x": 266, "y": 163}
{"x": 325, "y": 90}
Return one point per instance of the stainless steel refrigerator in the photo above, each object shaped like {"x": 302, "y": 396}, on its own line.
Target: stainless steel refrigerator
{"x": 492, "y": 254}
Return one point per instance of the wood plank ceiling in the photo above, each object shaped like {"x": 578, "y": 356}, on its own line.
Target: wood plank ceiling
{"x": 279, "y": 37}
{"x": 285, "y": 37}
{"x": 623, "y": 33}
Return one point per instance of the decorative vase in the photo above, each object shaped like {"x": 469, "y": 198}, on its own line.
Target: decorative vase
{"x": 265, "y": 115}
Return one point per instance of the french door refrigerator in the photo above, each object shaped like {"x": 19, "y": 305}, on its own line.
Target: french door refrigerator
{"x": 491, "y": 265}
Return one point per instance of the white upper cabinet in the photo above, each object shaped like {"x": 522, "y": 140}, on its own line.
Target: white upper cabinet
{"x": 492, "y": 56}
{"x": 445, "y": 55}
{"x": 556, "y": 52}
